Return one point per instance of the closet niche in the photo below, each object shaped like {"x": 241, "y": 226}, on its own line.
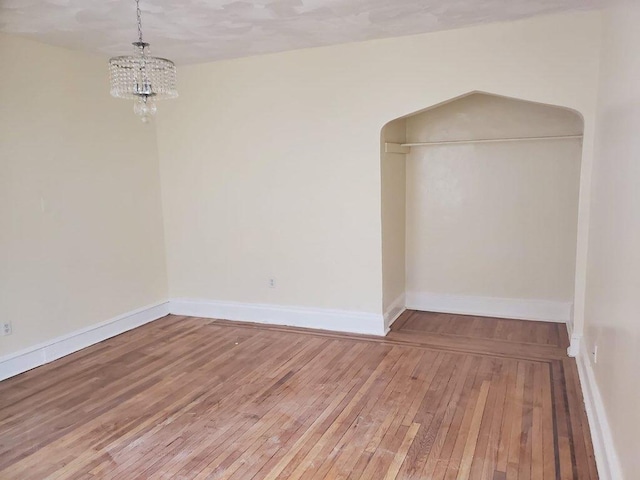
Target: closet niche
{"x": 480, "y": 208}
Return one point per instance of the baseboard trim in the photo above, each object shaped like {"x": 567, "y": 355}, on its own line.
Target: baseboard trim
{"x": 521, "y": 309}
{"x": 23, "y": 360}
{"x": 304, "y": 317}
{"x": 575, "y": 341}
{"x": 393, "y": 312}
{"x": 606, "y": 457}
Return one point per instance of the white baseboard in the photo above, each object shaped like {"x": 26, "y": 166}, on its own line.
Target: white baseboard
{"x": 304, "y": 317}
{"x": 393, "y": 312}
{"x": 574, "y": 340}
{"x": 574, "y": 345}
{"x": 21, "y": 361}
{"x": 521, "y": 309}
{"x": 606, "y": 457}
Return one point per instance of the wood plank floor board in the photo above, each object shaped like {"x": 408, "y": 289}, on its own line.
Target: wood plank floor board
{"x": 464, "y": 470}
{"x": 339, "y": 427}
{"x": 94, "y": 358}
{"x": 194, "y": 396}
{"x": 347, "y": 451}
{"x": 444, "y": 427}
{"x": 443, "y": 397}
{"x": 537, "y": 440}
{"x": 167, "y": 392}
{"x": 353, "y": 427}
{"x": 303, "y": 417}
{"x": 383, "y": 446}
{"x": 494, "y": 422}
{"x": 480, "y": 453}
{"x": 422, "y": 380}
{"x": 448, "y": 467}
{"x": 258, "y": 395}
{"x": 327, "y": 429}
{"x": 549, "y": 431}
{"x": 526, "y": 426}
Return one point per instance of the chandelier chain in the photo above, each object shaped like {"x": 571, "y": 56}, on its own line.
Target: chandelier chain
{"x": 139, "y": 15}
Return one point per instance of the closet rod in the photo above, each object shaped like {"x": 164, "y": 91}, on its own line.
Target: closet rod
{"x": 491, "y": 140}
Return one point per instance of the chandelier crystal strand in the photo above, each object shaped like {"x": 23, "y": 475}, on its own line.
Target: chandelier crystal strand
{"x": 142, "y": 77}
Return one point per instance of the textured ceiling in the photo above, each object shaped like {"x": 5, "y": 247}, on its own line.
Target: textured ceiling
{"x": 190, "y": 31}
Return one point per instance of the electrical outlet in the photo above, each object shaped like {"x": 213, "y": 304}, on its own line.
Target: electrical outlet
{"x": 594, "y": 354}
{"x": 6, "y": 328}
{"x": 272, "y": 283}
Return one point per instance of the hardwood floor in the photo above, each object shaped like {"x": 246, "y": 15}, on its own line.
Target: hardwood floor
{"x": 442, "y": 397}
{"x": 505, "y": 330}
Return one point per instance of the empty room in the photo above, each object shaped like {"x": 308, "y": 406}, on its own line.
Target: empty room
{"x": 320, "y": 239}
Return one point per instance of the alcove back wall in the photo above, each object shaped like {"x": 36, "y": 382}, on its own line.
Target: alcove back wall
{"x": 495, "y": 222}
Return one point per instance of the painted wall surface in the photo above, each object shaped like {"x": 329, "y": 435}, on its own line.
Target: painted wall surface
{"x": 393, "y": 167}
{"x": 613, "y": 303}
{"x": 493, "y": 219}
{"x": 270, "y": 165}
{"x": 80, "y": 212}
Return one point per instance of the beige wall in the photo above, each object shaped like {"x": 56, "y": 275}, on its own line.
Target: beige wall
{"x": 393, "y": 182}
{"x": 80, "y": 218}
{"x": 496, "y": 219}
{"x": 613, "y": 302}
{"x": 271, "y": 165}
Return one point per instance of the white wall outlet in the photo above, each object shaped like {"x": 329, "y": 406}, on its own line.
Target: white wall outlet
{"x": 272, "y": 283}
{"x": 6, "y": 328}
{"x": 594, "y": 354}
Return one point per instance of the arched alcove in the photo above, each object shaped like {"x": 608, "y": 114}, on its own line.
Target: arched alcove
{"x": 480, "y": 208}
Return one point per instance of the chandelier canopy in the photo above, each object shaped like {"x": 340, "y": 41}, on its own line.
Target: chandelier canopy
{"x": 141, "y": 77}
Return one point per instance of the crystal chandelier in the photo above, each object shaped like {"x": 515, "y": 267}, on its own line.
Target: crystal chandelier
{"x": 141, "y": 77}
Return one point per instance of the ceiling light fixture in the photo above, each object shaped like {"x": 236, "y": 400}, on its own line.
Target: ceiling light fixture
{"x": 141, "y": 77}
